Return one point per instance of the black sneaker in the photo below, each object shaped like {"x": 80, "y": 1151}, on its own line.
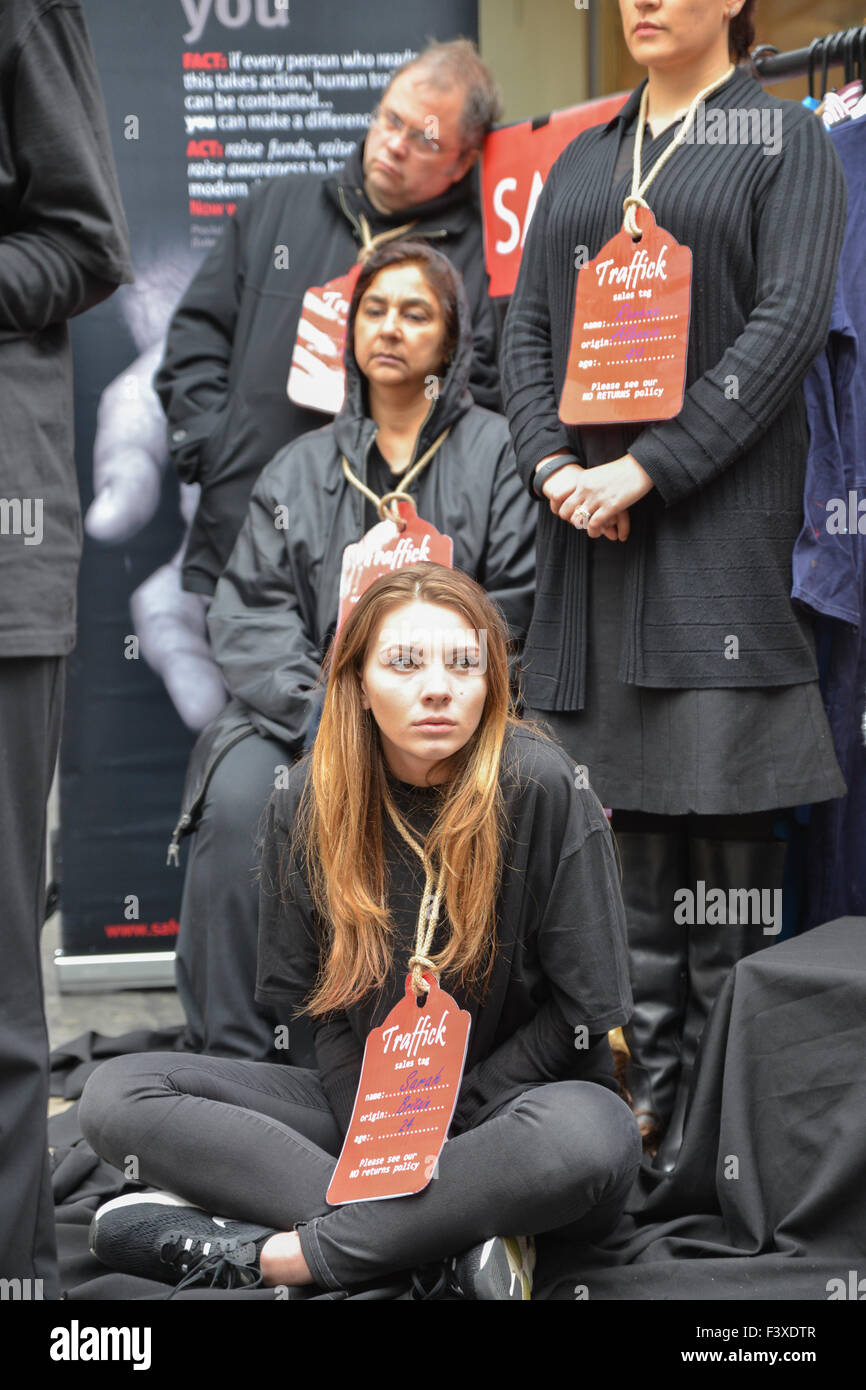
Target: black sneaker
{"x": 497, "y": 1269}
{"x": 432, "y": 1282}
{"x": 159, "y": 1236}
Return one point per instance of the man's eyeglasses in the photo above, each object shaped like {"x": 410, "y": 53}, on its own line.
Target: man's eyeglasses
{"x": 421, "y": 142}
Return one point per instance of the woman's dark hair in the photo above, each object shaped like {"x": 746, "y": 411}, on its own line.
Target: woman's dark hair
{"x": 438, "y": 272}
{"x": 741, "y": 35}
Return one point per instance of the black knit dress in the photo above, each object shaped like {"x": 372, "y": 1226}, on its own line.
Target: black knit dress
{"x": 674, "y": 751}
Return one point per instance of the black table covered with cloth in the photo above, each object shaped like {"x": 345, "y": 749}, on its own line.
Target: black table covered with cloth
{"x": 767, "y": 1199}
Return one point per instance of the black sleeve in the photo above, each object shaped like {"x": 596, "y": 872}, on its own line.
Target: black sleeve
{"x": 582, "y": 936}
{"x": 796, "y": 259}
{"x": 545, "y": 1049}
{"x": 288, "y": 959}
{"x": 192, "y": 381}
{"x": 528, "y": 387}
{"x": 508, "y": 568}
{"x": 257, "y": 629}
{"x": 339, "y": 1056}
{"x": 288, "y": 952}
{"x": 582, "y": 951}
{"x": 484, "y": 376}
{"x": 468, "y": 259}
{"x": 68, "y": 248}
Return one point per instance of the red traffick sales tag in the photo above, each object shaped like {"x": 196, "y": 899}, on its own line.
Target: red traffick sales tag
{"x": 410, "y": 1078}
{"x": 317, "y": 378}
{"x": 630, "y": 336}
{"x": 385, "y": 549}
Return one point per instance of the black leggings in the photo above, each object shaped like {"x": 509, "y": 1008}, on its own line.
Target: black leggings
{"x": 256, "y": 1141}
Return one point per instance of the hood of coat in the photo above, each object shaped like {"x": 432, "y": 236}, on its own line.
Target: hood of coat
{"x": 440, "y": 218}
{"x": 353, "y": 427}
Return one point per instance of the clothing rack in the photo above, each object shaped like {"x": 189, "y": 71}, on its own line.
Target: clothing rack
{"x": 846, "y": 47}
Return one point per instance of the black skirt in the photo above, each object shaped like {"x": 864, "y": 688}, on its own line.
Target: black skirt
{"x": 671, "y": 752}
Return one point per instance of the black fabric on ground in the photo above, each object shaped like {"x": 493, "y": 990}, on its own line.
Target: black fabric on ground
{"x": 73, "y": 1061}
{"x": 779, "y": 1086}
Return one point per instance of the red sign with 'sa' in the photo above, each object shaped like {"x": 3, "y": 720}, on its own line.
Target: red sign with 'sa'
{"x": 515, "y": 162}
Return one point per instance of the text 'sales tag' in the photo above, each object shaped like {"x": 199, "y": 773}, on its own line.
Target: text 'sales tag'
{"x": 317, "y": 379}
{"x": 630, "y": 337}
{"x": 410, "y": 1078}
{"x": 385, "y": 549}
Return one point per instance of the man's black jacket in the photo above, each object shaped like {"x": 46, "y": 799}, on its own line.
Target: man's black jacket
{"x": 222, "y": 381}
{"x": 64, "y": 247}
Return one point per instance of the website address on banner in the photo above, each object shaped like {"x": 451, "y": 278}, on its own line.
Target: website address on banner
{"x": 121, "y": 929}
{"x": 766, "y": 1358}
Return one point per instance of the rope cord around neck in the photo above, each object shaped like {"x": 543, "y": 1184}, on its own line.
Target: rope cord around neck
{"x": 428, "y": 915}
{"x": 384, "y": 504}
{"x": 369, "y": 242}
{"x": 636, "y": 197}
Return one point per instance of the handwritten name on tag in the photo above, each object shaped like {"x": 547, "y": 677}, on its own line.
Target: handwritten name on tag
{"x": 410, "y": 1079}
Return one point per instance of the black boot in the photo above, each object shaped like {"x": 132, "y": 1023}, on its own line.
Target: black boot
{"x": 654, "y": 866}
{"x": 714, "y": 949}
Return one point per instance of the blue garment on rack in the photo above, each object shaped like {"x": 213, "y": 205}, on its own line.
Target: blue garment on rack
{"x": 830, "y": 564}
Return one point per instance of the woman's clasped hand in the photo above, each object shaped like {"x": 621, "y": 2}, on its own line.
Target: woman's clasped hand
{"x": 596, "y": 500}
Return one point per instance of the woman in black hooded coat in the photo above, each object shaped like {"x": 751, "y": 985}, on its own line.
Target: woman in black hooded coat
{"x": 275, "y": 607}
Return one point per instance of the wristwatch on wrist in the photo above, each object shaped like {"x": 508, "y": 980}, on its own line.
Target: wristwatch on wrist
{"x": 545, "y": 469}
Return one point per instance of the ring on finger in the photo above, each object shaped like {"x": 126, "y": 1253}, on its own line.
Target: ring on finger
{"x": 583, "y": 519}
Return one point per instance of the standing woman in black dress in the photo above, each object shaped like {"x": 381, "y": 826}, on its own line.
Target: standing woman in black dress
{"x": 672, "y": 663}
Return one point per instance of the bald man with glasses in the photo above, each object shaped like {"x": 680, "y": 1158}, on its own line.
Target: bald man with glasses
{"x": 223, "y": 379}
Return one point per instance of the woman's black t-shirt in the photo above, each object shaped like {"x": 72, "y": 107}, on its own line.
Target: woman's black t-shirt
{"x": 560, "y": 977}
{"x": 381, "y": 478}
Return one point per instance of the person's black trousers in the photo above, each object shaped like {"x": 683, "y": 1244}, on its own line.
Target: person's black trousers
{"x": 31, "y": 709}
{"x": 257, "y": 1142}
{"x": 215, "y": 955}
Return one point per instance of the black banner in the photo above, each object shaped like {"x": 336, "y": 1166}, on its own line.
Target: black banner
{"x": 204, "y": 97}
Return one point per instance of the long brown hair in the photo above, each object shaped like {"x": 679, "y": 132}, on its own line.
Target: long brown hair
{"x": 338, "y": 832}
